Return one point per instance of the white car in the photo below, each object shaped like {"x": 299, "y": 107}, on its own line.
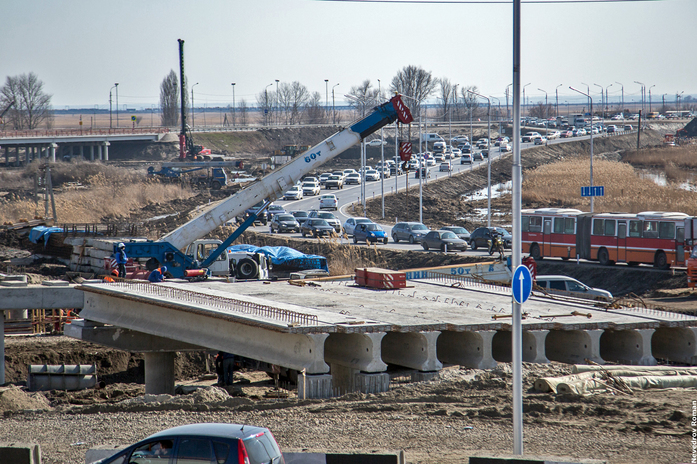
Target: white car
{"x": 459, "y": 139}
{"x": 323, "y": 177}
{"x": 353, "y": 178}
{"x": 456, "y": 152}
{"x": 384, "y": 172}
{"x": 372, "y": 175}
{"x": 569, "y": 286}
{"x": 445, "y": 166}
{"x": 328, "y": 201}
{"x": 430, "y": 162}
{"x": 505, "y": 147}
{"x": 376, "y": 143}
{"x": 540, "y": 140}
{"x": 553, "y": 135}
{"x": 311, "y": 188}
{"x": 466, "y": 158}
{"x": 293, "y": 193}
{"x": 348, "y": 171}
{"x": 351, "y": 224}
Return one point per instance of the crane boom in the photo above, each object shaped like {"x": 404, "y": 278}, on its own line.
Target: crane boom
{"x": 274, "y": 184}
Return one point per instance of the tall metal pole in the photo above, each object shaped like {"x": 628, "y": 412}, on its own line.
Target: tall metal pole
{"x": 517, "y": 330}
{"x": 546, "y": 113}
{"x": 117, "y": 104}
{"x": 278, "y": 111}
{"x": 590, "y": 100}
{"x": 193, "y": 108}
{"x": 602, "y": 107}
{"x": 326, "y": 96}
{"x": 556, "y": 92}
{"x": 333, "y": 107}
{"x": 508, "y": 114}
{"x": 650, "y": 110}
{"x": 382, "y": 156}
{"x": 234, "y": 109}
{"x": 110, "y": 124}
{"x": 643, "y": 92}
{"x": 488, "y": 158}
{"x": 622, "y": 107}
{"x": 525, "y": 100}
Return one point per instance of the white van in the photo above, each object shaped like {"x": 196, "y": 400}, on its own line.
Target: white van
{"x": 439, "y": 147}
{"x": 431, "y": 137}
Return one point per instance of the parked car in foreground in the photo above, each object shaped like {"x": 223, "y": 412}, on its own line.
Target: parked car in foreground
{"x": 369, "y": 232}
{"x": 443, "y": 240}
{"x": 566, "y": 285}
{"x": 203, "y": 443}
{"x": 412, "y": 232}
{"x": 466, "y": 158}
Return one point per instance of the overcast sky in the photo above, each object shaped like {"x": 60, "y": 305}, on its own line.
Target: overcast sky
{"x": 80, "y": 48}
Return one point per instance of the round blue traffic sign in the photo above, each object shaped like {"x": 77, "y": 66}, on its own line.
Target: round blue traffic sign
{"x": 521, "y": 284}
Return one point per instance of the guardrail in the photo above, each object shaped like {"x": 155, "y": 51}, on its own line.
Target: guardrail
{"x": 73, "y": 132}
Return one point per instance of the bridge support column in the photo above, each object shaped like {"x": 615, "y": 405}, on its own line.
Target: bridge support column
{"x": 534, "y": 349}
{"x": 678, "y": 344}
{"x": 2, "y": 347}
{"x": 574, "y": 346}
{"x": 416, "y": 350}
{"x": 17, "y": 156}
{"x": 315, "y": 386}
{"x": 7, "y": 156}
{"x": 82, "y": 152}
{"x": 99, "y": 152}
{"x": 471, "y": 349}
{"x": 91, "y": 152}
{"x": 159, "y": 373}
{"x": 106, "y": 150}
{"x": 362, "y": 352}
{"x": 53, "y": 147}
{"x": 628, "y": 346}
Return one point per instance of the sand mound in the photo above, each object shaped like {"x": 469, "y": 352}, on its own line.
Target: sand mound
{"x": 14, "y": 399}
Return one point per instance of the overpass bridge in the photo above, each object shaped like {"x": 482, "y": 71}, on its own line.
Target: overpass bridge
{"x": 342, "y": 337}
{"x": 22, "y": 147}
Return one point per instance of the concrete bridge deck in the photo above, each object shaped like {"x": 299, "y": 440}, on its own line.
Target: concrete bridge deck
{"x": 344, "y": 336}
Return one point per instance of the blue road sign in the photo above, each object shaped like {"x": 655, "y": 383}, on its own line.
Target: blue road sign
{"x": 521, "y": 284}
{"x": 595, "y": 191}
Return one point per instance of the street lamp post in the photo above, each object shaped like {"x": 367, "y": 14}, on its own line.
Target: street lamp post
{"x": 382, "y": 155}
{"x": 110, "y": 124}
{"x": 333, "y": 110}
{"x": 591, "y": 108}
{"x": 622, "y": 107}
{"x": 525, "y": 101}
{"x": 678, "y": 100}
{"x": 643, "y": 93}
{"x": 326, "y": 96}
{"x": 278, "y": 112}
{"x": 117, "y": 104}
{"x": 607, "y": 102}
{"x": 488, "y": 157}
{"x": 546, "y": 114}
{"x": 602, "y": 108}
{"x": 234, "y": 109}
{"x": 508, "y": 115}
{"x": 266, "y": 104}
{"x": 650, "y": 109}
{"x": 556, "y": 93}
{"x": 193, "y": 122}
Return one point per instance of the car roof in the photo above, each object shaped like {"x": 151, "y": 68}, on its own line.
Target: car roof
{"x": 211, "y": 430}
{"x": 555, "y": 277}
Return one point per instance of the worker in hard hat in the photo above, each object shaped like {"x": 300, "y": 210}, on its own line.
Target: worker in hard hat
{"x": 112, "y": 277}
{"x": 121, "y": 259}
{"x": 158, "y": 275}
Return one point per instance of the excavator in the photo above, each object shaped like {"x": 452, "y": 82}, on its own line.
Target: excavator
{"x": 204, "y": 258}
{"x": 187, "y": 148}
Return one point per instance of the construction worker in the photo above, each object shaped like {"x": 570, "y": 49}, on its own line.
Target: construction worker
{"x": 110, "y": 278}
{"x": 158, "y": 275}
{"x": 121, "y": 259}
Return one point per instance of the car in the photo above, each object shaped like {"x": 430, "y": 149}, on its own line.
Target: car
{"x": 412, "y": 232}
{"x": 529, "y": 136}
{"x": 329, "y": 217}
{"x": 505, "y": 147}
{"x": 618, "y": 117}
{"x": 328, "y": 201}
{"x": 371, "y": 175}
{"x": 396, "y": 169}
{"x": 465, "y": 148}
{"x": 466, "y": 158}
{"x": 284, "y": 223}
{"x": 353, "y": 178}
{"x": 262, "y": 217}
{"x": 430, "y": 162}
{"x": 346, "y": 172}
{"x": 300, "y": 216}
{"x": 438, "y": 158}
{"x": 376, "y": 143}
{"x": 459, "y": 139}
{"x": 336, "y": 182}
{"x": 323, "y": 177}
{"x": 567, "y": 134}
{"x": 369, "y": 232}
{"x": 482, "y": 143}
{"x": 311, "y": 188}
{"x": 446, "y": 166}
{"x": 566, "y": 285}
{"x": 461, "y": 232}
{"x": 293, "y": 193}
{"x": 311, "y": 179}
{"x": 628, "y": 127}
{"x": 316, "y": 227}
{"x": 274, "y": 210}
{"x": 443, "y": 240}
{"x": 539, "y": 140}
{"x": 553, "y": 135}
{"x": 422, "y": 172}
{"x": 384, "y": 172}
{"x": 481, "y": 236}
{"x": 203, "y": 443}
{"x": 477, "y": 155}
{"x": 611, "y": 129}
{"x": 457, "y": 152}
{"x": 351, "y": 224}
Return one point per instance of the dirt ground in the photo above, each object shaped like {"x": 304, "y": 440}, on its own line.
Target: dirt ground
{"x": 462, "y": 413}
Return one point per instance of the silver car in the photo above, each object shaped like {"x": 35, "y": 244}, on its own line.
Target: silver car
{"x": 565, "y": 285}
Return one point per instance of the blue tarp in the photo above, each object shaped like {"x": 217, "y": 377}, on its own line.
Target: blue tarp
{"x": 42, "y": 233}
{"x": 285, "y": 258}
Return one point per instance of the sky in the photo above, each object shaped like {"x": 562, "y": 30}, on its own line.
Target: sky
{"x": 81, "y": 48}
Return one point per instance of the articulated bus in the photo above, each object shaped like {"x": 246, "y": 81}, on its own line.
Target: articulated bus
{"x": 651, "y": 237}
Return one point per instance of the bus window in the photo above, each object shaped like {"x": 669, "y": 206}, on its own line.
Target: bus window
{"x": 610, "y": 227}
{"x": 564, "y": 225}
{"x": 650, "y": 229}
{"x": 569, "y": 225}
{"x": 666, "y": 230}
{"x": 598, "y": 226}
{"x": 535, "y": 224}
{"x": 525, "y": 227}
{"x": 635, "y": 228}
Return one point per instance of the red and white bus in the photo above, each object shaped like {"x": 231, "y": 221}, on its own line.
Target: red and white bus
{"x": 651, "y": 237}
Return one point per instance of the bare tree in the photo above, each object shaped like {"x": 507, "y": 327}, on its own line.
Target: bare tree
{"x": 169, "y": 100}
{"x": 470, "y": 100}
{"x": 363, "y": 97}
{"x": 414, "y": 82}
{"x": 32, "y": 105}
{"x": 540, "y": 110}
{"x": 242, "y": 111}
{"x": 292, "y": 100}
{"x": 446, "y": 96}
{"x": 266, "y": 101}
{"x": 314, "y": 111}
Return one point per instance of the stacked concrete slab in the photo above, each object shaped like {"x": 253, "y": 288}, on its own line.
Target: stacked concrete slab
{"x": 89, "y": 252}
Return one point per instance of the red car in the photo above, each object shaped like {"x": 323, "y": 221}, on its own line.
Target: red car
{"x": 566, "y": 134}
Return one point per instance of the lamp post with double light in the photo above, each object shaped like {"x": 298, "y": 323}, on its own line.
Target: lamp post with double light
{"x": 650, "y": 110}
{"x": 590, "y": 100}
{"x": 546, "y": 114}
{"x": 488, "y": 157}
{"x": 333, "y": 110}
{"x": 110, "y": 123}
{"x": 556, "y": 93}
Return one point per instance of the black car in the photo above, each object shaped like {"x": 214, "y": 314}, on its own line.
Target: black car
{"x": 283, "y": 223}
{"x": 262, "y": 217}
{"x": 274, "y": 210}
{"x": 316, "y": 228}
{"x": 481, "y": 236}
{"x": 443, "y": 240}
{"x": 300, "y": 216}
{"x": 461, "y": 232}
{"x": 203, "y": 443}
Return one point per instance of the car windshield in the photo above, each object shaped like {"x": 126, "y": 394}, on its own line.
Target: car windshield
{"x": 300, "y": 214}
{"x": 363, "y": 221}
{"x": 459, "y": 230}
{"x": 308, "y": 184}
{"x": 448, "y": 235}
{"x": 334, "y": 178}
{"x": 327, "y": 216}
{"x": 419, "y": 227}
{"x": 286, "y": 217}
{"x": 275, "y": 208}
{"x": 501, "y": 230}
{"x": 372, "y": 227}
{"x": 327, "y": 198}
{"x": 319, "y": 222}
